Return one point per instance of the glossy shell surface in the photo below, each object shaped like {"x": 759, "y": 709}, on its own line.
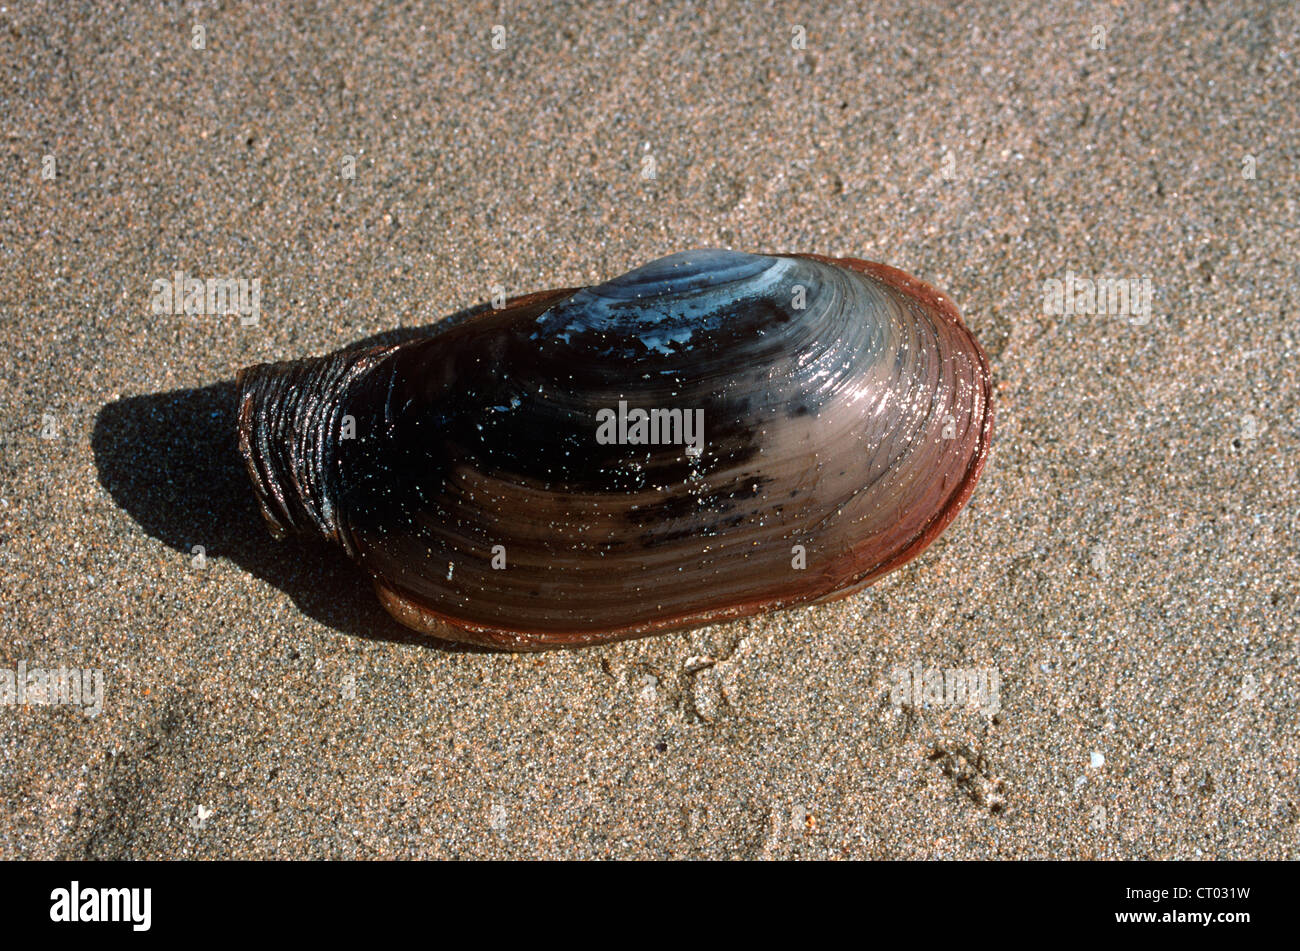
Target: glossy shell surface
{"x": 491, "y": 477}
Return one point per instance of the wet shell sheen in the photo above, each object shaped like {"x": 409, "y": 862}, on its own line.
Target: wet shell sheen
{"x": 490, "y": 478}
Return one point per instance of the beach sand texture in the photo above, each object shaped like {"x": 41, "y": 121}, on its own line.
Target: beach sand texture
{"x": 1126, "y": 569}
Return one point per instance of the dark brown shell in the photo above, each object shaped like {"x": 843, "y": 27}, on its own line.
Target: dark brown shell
{"x": 840, "y": 438}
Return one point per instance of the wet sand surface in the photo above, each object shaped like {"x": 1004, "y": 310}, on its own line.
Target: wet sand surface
{"x": 1125, "y": 574}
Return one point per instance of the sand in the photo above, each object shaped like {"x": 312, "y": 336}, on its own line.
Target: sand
{"x": 1125, "y": 573}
